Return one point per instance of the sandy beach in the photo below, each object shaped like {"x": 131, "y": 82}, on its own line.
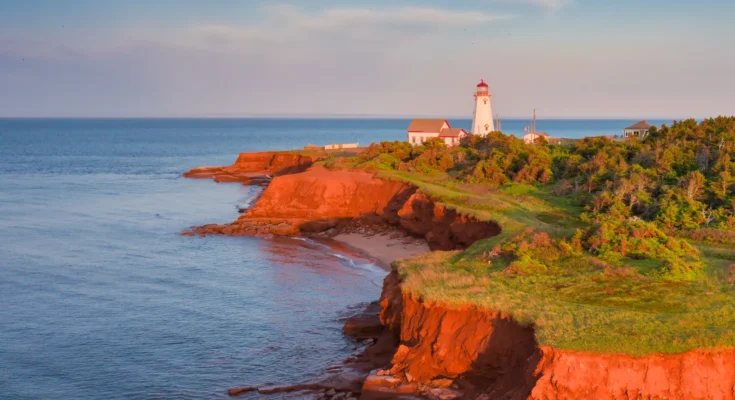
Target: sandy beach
{"x": 384, "y": 247}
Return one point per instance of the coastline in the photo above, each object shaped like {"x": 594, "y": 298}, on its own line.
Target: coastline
{"x": 384, "y": 247}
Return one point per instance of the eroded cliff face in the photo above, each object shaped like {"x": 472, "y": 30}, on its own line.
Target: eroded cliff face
{"x": 443, "y": 228}
{"x": 315, "y": 201}
{"x": 482, "y": 354}
{"x": 319, "y": 199}
{"x": 251, "y": 168}
{"x": 472, "y": 351}
{"x": 694, "y": 375}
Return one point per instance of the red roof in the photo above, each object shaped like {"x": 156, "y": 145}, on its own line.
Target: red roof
{"x": 482, "y": 83}
{"x": 427, "y": 125}
{"x": 640, "y": 125}
{"x": 452, "y": 132}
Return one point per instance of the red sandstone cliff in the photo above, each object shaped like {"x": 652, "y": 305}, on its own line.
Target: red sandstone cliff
{"x": 483, "y": 354}
{"x": 250, "y": 168}
{"x": 320, "y": 199}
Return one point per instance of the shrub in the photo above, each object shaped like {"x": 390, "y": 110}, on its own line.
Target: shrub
{"x": 615, "y": 240}
{"x": 525, "y": 265}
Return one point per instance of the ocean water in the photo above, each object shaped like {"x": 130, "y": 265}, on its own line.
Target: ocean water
{"x": 101, "y": 298}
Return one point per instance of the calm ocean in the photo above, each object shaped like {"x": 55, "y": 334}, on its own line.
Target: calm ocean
{"x": 101, "y": 298}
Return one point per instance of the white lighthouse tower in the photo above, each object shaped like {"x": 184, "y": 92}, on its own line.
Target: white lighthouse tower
{"x": 482, "y": 120}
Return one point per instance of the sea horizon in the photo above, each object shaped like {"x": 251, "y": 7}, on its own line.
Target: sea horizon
{"x": 342, "y": 117}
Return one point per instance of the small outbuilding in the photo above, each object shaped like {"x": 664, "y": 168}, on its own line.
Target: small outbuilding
{"x": 452, "y": 136}
{"x": 639, "y": 130}
{"x": 531, "y": 137}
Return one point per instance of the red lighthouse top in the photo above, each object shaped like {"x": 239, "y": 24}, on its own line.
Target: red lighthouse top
{"x": 482, "y": 83}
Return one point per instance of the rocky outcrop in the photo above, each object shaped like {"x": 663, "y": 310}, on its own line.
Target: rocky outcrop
{"x": 443, "y": 228}
{"x": 252, "y": 168}
{"x": 466, "y": 350}
{"x": 319, "y": 199}
{"x": 483, "y": 354}
{"x": 315, "y": 201}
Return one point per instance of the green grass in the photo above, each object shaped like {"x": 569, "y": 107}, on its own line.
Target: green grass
{"x": 579, "y": 307}
{"x": 581, "y": 303}
{"x": 514, "y": 206}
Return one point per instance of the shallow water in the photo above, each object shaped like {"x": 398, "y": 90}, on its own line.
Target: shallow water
{"x": 101, "y": 298}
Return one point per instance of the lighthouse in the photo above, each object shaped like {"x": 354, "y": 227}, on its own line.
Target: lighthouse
{"x": 482, "y": 120}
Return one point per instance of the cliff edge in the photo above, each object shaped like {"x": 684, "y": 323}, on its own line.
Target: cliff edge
{"x": 476, "y": 353}
{"x": 319, "y": 199}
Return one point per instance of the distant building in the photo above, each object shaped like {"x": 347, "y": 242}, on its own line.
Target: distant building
{"x": 452, "y": 136}
{"x": 531, "y": 137}
{"x": 340, "y": 146}
{"x": 639, "y": 129}
{"x": 420, "y": 130}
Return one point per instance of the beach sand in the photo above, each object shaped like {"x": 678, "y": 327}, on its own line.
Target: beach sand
{"x": 384, "y": 247}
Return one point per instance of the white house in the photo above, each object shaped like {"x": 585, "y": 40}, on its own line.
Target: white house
{"x": 452, "y": 136}
{"x": 422, "y": 129}
{"x": 639, "y": 129}
{"x": 531, "y": 137}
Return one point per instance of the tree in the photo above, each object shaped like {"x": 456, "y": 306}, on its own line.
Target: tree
{"x": 720, "y": 186}
{"x": 693, "y": 184}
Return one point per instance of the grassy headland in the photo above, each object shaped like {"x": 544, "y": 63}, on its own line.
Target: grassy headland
{"x": 607, "y": 246}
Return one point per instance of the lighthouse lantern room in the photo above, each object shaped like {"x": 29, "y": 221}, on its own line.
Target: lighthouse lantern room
{"x": 482, "y": 120}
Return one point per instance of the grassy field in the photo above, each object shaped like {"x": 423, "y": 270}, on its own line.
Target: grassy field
{"x": 578, "y": 302}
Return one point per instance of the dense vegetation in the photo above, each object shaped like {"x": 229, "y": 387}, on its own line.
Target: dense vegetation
{"x": 628, "y": 235}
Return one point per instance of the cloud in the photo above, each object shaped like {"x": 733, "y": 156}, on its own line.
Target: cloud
{"x": 351, "y": 37}
{"x": 551, "y": 5}
{"x": 412, "y": 16}
{"x": 282, "y": 25}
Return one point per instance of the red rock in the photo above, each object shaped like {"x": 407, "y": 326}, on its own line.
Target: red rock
{"x": 491, "y": 356}
{"x": 241, "y": 390}
{"x": 252, "y": 167}
{"x": 322, "y": 195}
{"x": 443, "y": 228}
{"x": 692, "y": 375}
{"x": 363, "y": 326}
{"x": 319, "y": 199}
{"x": 387, "y": 383}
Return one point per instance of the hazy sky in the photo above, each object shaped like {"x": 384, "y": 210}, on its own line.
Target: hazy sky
{"x": 568, "y": 58}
